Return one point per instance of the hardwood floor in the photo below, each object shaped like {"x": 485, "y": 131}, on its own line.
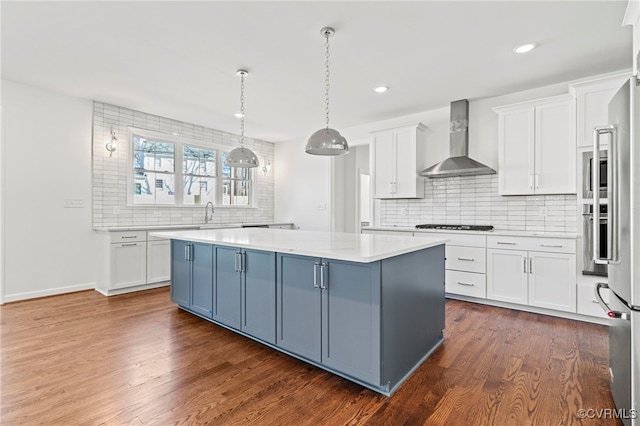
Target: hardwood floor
{"x": 137, "y": 359}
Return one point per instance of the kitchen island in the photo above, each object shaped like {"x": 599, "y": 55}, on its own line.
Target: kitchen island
{"x": 369, "y": 308}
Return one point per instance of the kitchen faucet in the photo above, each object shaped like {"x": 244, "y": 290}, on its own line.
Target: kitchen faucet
{"x": 207, "y": 216}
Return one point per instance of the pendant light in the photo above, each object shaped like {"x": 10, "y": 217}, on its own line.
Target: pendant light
{"x": 327, "y": 141}
{"x": 242, "y": 157}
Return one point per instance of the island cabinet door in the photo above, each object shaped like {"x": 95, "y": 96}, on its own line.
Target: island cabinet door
{"x": 227, "y": 289}
{"x": 298, "y": 305}
{"x": 202, "y": 279}
{"x": 351, "y": 318}
{"x": 180, "y": 273}
{"x": 259, "y": 294}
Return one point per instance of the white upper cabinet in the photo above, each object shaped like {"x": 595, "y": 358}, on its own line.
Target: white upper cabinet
{"x": 537, "y": 148}
{"x": 592, "y": 102}
{"x": 397, "y": 158}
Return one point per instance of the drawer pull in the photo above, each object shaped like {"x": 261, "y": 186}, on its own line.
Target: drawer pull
{"x": 129, "y": 244}
{"x": 552, "y": 245}
{"x": 466, "y": 284}
{"x": 506, "y": 243}
{"x": 126, "y": 237}
{"x": 468, "y": 259}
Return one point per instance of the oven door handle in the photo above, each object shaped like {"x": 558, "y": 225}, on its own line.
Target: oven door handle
{"x": 610, "y": 312}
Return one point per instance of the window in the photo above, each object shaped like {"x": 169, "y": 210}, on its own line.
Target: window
{"x": 199, "y": 177}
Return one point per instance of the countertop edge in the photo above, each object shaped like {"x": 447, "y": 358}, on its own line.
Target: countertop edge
{"x": 185, "y": 226}
{"x": 494, "y": 232}
{"x": 207, "y": 238}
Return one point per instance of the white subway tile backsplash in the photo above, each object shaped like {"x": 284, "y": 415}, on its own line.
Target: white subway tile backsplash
{"x": 110, "y": 173}
{"x": 475, "y": 200}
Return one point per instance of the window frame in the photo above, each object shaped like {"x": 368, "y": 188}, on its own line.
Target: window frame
{"x": 178, "y": 143}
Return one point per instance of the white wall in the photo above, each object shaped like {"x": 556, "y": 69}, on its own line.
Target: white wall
{"x": 49, "y": 249}
{"x": 301, "y": 185}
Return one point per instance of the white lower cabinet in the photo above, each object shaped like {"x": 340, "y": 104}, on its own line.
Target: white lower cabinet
{"x": 507, "y": 277}
{"x": 158, "y": 260}
{"x": 128, "y": 264}
{"x": 545, "y": 279}
{"x": 587, "y": 303}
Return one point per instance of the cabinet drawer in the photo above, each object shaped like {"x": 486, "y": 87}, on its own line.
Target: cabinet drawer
{"x": 455, "y": 239}
{"x": 127, "y": 236}
{"x": 554, "y": 245}
{"x": 465, "y": 284}
{"x": 467, "y": 259}
{"x": 587, "y": 303}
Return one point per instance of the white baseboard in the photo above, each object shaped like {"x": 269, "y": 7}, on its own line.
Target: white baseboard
{"x": 48, "y": 292}
{"x": 115, "y": 292}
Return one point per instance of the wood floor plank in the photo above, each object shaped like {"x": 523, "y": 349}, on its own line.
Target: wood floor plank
{"x": 136, "y": 359}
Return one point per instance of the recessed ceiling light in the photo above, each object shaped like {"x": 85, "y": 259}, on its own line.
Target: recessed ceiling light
{"x": 380, "y": 89}
{"x": 524, "y": 48}
{"x": 238, "y": 115}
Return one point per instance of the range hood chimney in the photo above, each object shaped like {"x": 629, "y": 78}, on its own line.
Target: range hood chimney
{"x": 458, "y": 163}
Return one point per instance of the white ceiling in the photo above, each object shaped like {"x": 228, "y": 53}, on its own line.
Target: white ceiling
{"x": 178, "y": 59}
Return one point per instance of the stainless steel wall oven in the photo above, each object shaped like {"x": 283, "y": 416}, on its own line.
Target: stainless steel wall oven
{"x": 590, "y": 267}
{"x": 587, "y": 174}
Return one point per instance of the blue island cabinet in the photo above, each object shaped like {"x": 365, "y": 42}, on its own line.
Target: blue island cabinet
{"x": 245, "y": 291}
{"x": 328, "y": 311}
{"x": 192, "y": 276}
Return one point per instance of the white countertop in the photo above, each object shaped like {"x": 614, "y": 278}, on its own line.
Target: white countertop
{"x": 333, "y": 245}
{"x": 192, "y": 226}
{"x": 496, "y": 232}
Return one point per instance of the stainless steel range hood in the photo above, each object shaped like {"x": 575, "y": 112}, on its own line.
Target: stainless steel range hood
{"x": 458, "y": 163}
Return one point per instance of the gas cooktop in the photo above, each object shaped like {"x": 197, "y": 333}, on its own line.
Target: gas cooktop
{"x": 456, "y": 227}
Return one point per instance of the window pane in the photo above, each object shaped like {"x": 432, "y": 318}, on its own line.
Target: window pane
{"x": 226, "y": 170}
{"x": 164, "y": 157}
{"x": 199, "y": 161}
{"x": 240, "y": 173}
{"x": 240, "y": 193}
{"x": 226, "y": 192}
{"x": 153, "y": 188}
{"x": 198, "y": 190}
{"x": 141, "y": 144}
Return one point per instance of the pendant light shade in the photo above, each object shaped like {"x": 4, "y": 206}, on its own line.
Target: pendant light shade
{"x": 327, "y": 141}
{"x": 242, "y": 157}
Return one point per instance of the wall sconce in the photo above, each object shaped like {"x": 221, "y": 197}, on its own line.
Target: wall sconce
{"x": 266, "y": 167}
{"x": 112, "y": 144}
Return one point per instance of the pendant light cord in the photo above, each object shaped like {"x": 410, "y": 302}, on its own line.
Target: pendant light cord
{"x": 326, "y": 76}
{"x": 242, "y": 109}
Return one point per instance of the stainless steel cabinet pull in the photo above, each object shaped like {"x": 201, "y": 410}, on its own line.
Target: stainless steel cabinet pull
{"x": 531, "y": 265}
{"x": 235, "y": 261}
{"x": 129, "y": 244}
{"x": 126, "y": 237}
{"x": 506, "y": 243}
{"x": 551, "y": 245}
{"x": 468, "y": 259}
{"x": 466, "y": 284}
{"x": 315, "y": 275}
{"x": 524, "y": 265}
{"x": 241, "y": 255}
{"x": 322, "y": 266}
{"x": 186, "y": 252}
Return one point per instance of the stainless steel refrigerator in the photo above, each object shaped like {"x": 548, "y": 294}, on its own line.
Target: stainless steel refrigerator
{"x": 622, "y": 242}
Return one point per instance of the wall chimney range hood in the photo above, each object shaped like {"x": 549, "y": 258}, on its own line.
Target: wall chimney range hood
{"x": 458, "y": 163}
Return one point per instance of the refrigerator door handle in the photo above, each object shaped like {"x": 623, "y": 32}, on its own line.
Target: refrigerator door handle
{"x": 610, "y": 313}
{"x": 595, "y": 175}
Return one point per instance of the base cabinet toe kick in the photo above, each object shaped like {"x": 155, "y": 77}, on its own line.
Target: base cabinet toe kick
{"x": 372, "y": 323}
